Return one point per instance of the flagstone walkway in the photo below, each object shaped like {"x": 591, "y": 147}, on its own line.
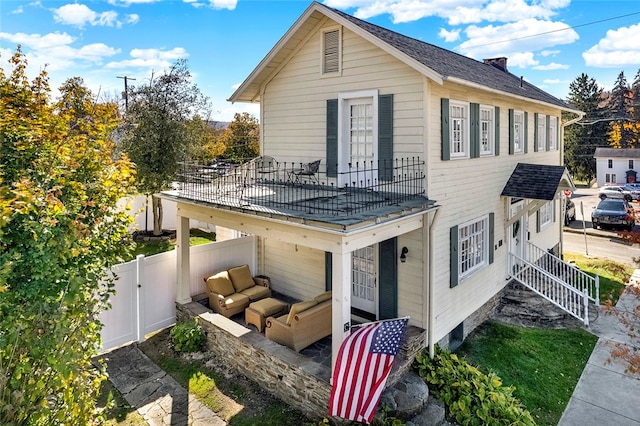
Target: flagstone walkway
{"x": 155, "y": 394}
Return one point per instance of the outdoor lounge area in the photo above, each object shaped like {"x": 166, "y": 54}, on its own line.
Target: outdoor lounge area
{"x": 300, "y": 377}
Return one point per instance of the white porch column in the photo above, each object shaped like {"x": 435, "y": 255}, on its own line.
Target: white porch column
{"x": 341, "y": 303}
{"x": 183, "y": 295}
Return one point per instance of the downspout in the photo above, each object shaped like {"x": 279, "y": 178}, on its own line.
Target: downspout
{"x": 563, "y": 203}
{"x": 431, "y": 316}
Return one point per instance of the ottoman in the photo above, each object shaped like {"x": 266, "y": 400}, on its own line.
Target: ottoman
{"x": 257, "y": 311}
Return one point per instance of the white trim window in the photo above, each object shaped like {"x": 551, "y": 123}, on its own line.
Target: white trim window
{"x": 542, "y": 132}
{"x": 459, "y": 129}
{"x": 486, "y": 130}
{"x": 473, "y": 246}
{"x": 518, "y": 131}
{"x": 553, "y": 133}
{"x": 545, "y": 214}
{"x": 331, "y": 51}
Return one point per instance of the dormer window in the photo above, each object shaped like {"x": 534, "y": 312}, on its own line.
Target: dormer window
{"x": 331, "y": 51}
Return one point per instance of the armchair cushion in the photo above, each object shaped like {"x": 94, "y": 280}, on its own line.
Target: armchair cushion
{"x": 221, "y": 284}
{"x": 241, "y": 278}
{"x": 236, "y": 300}
{"x": 299, "y": 307}
{"x": 257, "y": 292}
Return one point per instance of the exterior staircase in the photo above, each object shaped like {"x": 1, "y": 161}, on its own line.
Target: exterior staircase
{"x": 557, "y": 281}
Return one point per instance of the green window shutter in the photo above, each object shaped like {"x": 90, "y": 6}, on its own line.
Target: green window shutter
{"x": 388, "y": 279}
{"x": 332, "y": 137}
{"x": 491, "y": 236}
{"x": 512, "y": 142}
{"x": 497, "y": 132}
{"x": 328, "y": 270}
{"x": 444, "y": 125}
{"x": 474, "y": 130}
{"x": 538, "y": 221}
{"x": 548, "y": 147}
{"x": 385, "y": 137}
{"x": 526, "y": 132}
{"x": 453, "y": 256}
{"x": 553, "y": 210}
{"x": 535, "y": 132}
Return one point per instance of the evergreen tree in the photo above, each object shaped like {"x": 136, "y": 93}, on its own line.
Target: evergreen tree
{"x": 635, "y": 97}
{"x": 581, "y": 140}
{"x": 619, "y": 106}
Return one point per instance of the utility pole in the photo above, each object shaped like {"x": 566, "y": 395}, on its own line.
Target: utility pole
{"x": 126, "y": 91}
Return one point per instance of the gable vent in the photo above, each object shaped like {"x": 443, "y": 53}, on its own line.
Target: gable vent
{"x": 331, "y": 52}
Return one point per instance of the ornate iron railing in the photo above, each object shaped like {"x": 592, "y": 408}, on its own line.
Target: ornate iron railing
{"x": 265, "y": 182}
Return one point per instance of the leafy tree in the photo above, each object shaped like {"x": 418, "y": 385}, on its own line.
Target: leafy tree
{"x": 242, "y": 138}
{"x": 158, "y": 133}
{"x": 619, "y": 106}
{"x": 60, "y": 230}
{"x": 627, "y": 133}
{"x": 581, "y": 140}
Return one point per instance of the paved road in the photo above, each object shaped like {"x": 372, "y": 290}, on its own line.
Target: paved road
{"x": 597, "y": 246}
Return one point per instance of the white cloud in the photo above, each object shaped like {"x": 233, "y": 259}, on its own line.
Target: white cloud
{"x": 148, "y": 60}
{"x": 214, "y": 4}
{"x": 524, "y": 35}
{"x": 132, "y": 18}
{"x": 546, "y": 53}
{"x": 449, "y": 36}
{"x": 550, "y": 67}
{"x": 521, "y": 60}
{"x": 18, "y": 10}
{"x": 456, "y": 12}
{"x": 130, "y": 2}
{"x": 619, "y": 48}
{"x": 79, "y": 15}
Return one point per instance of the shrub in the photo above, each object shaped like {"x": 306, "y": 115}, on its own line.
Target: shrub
{"x": 188, "y": 336}
{"x": 470, "y": 396}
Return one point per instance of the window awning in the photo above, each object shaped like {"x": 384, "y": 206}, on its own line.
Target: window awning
{"x": 537, "y": 182}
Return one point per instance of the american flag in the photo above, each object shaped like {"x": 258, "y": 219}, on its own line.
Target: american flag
{"x": 364, "y": 361}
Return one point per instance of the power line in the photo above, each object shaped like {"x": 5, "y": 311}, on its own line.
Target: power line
{"x": 553, "y": 31}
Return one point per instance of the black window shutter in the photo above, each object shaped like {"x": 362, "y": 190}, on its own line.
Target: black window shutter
{"x": 511, "y": 133}
{"x": 474, "y": 130}
{"x": 526, "y": 132}
{"x": 388, "y": 279}
{"x": 385, "y": 137}
{"x": 497, "y": 132}
{"x": 328, "y": 270}
{"x": 538, "y": 221}
{"x": 444, "y": 126}
{"x": 491, "y": 236}
{"x": 548, "y": 147}
{"x": 453, "y": 256}
{"x": 535, "y": 132}
{"x": 332, "y": 137}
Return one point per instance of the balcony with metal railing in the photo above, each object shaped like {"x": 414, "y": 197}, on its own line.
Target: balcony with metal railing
{"x": 309, "y": 192}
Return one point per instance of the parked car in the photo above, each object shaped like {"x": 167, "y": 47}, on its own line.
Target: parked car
{"x": 634, "y": 189}
{"x": 613, "y": 214}
{"x": 616, "y": 192}
{"x": 569, "y": 212}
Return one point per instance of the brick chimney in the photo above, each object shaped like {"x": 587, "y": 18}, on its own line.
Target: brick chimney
{"x": 500, "y": 63}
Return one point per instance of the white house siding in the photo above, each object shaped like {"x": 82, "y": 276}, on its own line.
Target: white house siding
{"x": 412, "y": 278}
{"x": 617, "y": 174}
{"x": 468, "y": 189}
{"x": 294, "y": 101}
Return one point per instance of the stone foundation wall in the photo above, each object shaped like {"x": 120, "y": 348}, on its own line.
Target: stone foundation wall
{"x": 297, "y": 380}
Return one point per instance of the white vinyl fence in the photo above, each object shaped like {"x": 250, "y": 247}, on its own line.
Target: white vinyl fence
{"x": 145, "y": 296}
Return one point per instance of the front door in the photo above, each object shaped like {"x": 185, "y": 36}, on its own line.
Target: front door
{"x": 517, "y": 231}
{"x": 364, "y": 291}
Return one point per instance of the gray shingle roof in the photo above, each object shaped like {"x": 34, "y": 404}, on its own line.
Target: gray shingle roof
{"x": 451, "y": 64}
{"x": 617, "y": 153}
{"x": 534, "y": 181}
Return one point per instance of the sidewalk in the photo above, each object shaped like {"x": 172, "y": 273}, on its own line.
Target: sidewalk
{"x": 605, "y": 394}
{"x": 155, "y": 394}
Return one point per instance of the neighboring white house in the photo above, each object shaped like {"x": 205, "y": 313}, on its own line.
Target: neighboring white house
{"x": 439, "y": 180}
{"x": 617, "y": 165}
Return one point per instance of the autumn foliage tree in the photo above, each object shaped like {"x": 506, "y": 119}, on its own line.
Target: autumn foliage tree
{"x": 60, "y": 230}
{"x": 241, "y": 140}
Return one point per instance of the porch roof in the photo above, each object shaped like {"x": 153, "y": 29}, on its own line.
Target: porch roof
{"x": 537, "y": 182}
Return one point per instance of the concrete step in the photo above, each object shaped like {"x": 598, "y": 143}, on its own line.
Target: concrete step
{"x": 410, "y": 401}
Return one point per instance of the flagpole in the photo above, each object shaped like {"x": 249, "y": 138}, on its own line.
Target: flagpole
{"x": 379, "y": 321}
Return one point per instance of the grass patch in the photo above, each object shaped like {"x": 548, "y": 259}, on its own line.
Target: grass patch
{"x": 149, "y": 248}
{"x": 613, "y": 275}
{"x": 544, "y": 365}
{"x": 230, "y": 395}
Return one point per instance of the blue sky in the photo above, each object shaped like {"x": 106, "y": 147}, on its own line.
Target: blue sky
{"x": 548, "y": 42}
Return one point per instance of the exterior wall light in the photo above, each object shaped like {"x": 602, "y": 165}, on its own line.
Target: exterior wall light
{"x": 403, "y": 254}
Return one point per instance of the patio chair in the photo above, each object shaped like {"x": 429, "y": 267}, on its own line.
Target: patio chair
{"x": 266, "y": 167}
{"x": 308, "y": 171}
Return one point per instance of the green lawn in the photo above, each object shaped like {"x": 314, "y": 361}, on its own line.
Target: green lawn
{"x": 196, "y": 237}
{"x": 613, "y": 275}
